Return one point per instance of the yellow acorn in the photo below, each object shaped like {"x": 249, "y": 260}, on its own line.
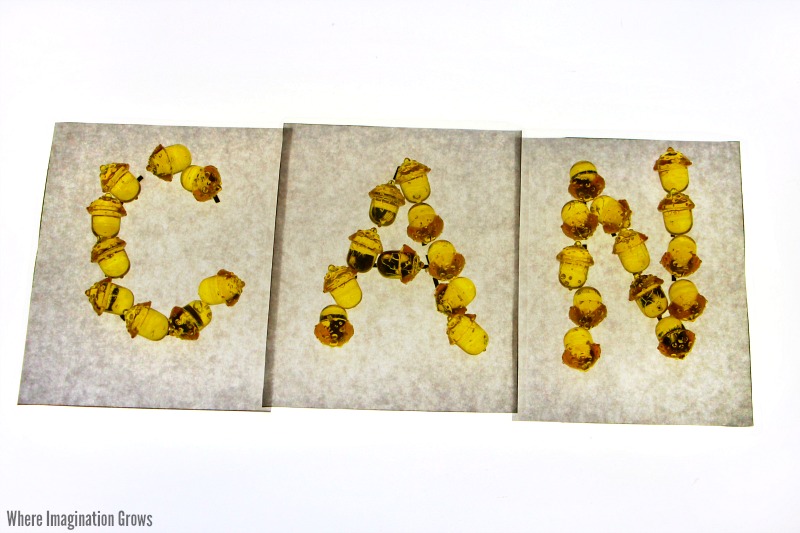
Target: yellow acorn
{"x": 629, "y": 246}
{"x": 169, "y": 160}
{"x": 365, "y": 247}
{"x": 673, "y": 170}
{"x": 612, "y": 214}
{"x": 573, "y": 269}
{"x": 106, "y": 296}
{"x": 444, "y": 262}
{"x": 578, "y": 222}
{"x": 424, "y": 225}
{"x": 109, "y": 253}
{"x": 646, "y": 291}
{"x": 681, "y": 258}
{"x": 142, "y": 320}
{"x": 106, "y": 213}
{"x": 226, "y": 287}
{"x": 204, "y": 183}
{"x": 385, "y": 201}
{"x": 674, "y": 340}
{"x": 412, "y": 176}
{"x": 584, "y": 181}
{"x": 464, "y": 332}
{"x": 402, "y": 264}
{"x": 685, "y": 302}
{"x": 457, "y": 294}
{"x": 588, "y": 308}
{"x": 186, "y": 322}
{"x": 116, "y": 178}
{"x": 341, "y": 282}
{"x": 333, "y": 328}
{"x": 677, "y": 211}
{"x": 580, "y": 351}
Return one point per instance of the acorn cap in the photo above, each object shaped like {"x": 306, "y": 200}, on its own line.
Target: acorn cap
{"x": 111, "y": 173}
{"x": 157, "y": 149}
{"x": 389, "y": 194}
{"x": 671, "y": 157}
{"x": 105, "y": 248}
{"x": 211, "y": 188}
{"x": 676, "y": 202}
{"x": 416, "y": 263}
{"x": 107, "y": 206}
{"x": 368, "y": 238}
{"x": 99, "y": 294}
{"x": 575, "y": 255}
{"x": 408, "y": 169}
{"x": 135, "y": 316}
{"x": 582, "y": 167}
{"x": 336, "y": 277}
{"x": 628, "y": 239}
{"x": 642, "y": 285}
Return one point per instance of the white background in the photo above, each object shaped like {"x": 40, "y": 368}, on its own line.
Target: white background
{"x": 693, "y": 70}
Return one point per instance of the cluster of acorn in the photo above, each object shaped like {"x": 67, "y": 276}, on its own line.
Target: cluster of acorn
{"x": 120, "y": 186}
{"x": 580, "y": 222}
{"x": 366, "y": 251}
{"x": 680, "y": 259}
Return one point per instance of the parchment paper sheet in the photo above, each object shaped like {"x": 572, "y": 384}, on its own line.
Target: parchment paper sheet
{"x": 73, "y": 356}
{"x": 632, "y": 382}
{"x": 399, "y": 357}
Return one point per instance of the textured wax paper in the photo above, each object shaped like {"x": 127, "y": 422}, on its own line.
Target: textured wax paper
{"x": 399, "y": 357}
{"x": 632, "y": 382}
{"x": 75, "y": 357}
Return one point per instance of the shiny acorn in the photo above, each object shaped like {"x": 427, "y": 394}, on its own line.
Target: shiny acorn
{"x": 142, "y": 320}
{"x": 333, "y": 328}
{"x": 455, "y": 295}
{"x": 573, "y": 269}
{"x": 467, "y": 334}
{"x": 412, "y": 176}
{"x": 674, "y": 340}
{"x": 109, "y": 254}
{"x": 402, "y": 264}
{"x": 424, "y": 225}
{"x": 673, "y": 170}
{"x": 365, "y": 247}
{"x": 444, "y": 262}
{"x": 685, "y": 302}
{"x": 612, "y": 214}
{"x": 385, "y": 201}
{"x": 108, "y": 297}
{"x": 204, "y": 183}
{"x": 116, "y": 179}
{"x": 681, "y": 258}
{"x": 225, "y": 287}
{"x": 646, "y": 291}
{"x": 584, "y": 182}
{"x": 677, "y": 211}
{"x": 106, "y": 213}
{"x": 588, "y": 308}
{"x": 580, "y": 351}
{"x": 169, "y": 160}
{"x": 341, "y": 282}
{"x": 578, "y": 222}
{"x": 629, "y": 246}
{"x": 186, "y": 322}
